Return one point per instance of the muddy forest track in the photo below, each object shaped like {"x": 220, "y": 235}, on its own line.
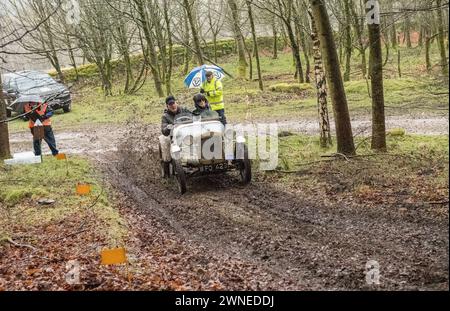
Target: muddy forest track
{"x": 297, "y": 242}
{"x": 264, "y": 235}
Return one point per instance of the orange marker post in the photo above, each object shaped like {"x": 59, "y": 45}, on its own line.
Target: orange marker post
{"x": 83, "y": 189}
{"x": 114, "y": 257}
{"x": 61, "y": 156}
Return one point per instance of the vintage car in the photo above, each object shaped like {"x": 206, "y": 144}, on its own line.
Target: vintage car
{"x": 200, "y": 145}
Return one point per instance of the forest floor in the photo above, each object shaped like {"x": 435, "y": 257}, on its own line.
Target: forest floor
{"x": 313, "y": 229}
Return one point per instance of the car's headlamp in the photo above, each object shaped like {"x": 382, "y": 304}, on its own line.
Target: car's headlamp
{"x": 188, "y": 140}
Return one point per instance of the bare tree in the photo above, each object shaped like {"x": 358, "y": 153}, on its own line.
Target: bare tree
{"x": 255, "y": 44}
{"x": 239, "y": 38}
{"x": 215, "y": 20}
{"x": 5, "y": 151}
{"x": 321, "y": 86}
{"x": 188, "y": 4}
{"x": 283, "y": 9}
{"x": 358, "y": 26}
{"x": 41, "y": 42}
{"x": 344, "y": 136}
{"x": 376, "y": 79}
{"x": 440, "y": 21}
{"x": 348, "y": 40}
{"x": 94, "y": 33}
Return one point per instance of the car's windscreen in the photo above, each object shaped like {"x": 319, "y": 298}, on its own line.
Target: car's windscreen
{"x": 26, "y": 83}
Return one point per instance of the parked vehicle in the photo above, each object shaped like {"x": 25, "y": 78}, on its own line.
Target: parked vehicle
{"x": 26, "y": 83}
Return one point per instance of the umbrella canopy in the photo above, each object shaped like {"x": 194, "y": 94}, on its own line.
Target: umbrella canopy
{"x": 198, "y": 75}
{"x": 20, "y": 102}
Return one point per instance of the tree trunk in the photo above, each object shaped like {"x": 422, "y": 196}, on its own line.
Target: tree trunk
{"x": 421, "y": 34}
{"x": 187, "y": 51}
{"x": 302, "y": 43}
{"x": 215, "y": 47}
{"x": 255, "y": 44}
{"x": 427, "y": 52}
{"x": 153, "y": 56}
{"x": 170, "y": 46}
{"x": 57, "y": 67}
{"x": 393, "y": 28}
{"x": 5, "y": 151}
{"x": 348, "y": 40}
{"x": 239, "y": 39}
{"x": 295, "y": 52}
{"x": 345, "y": 144}
{"x": 321, "y": 85}
{"x": 399, "y": 64}
{"x": 275, "y": 41}
{"x": 359, "y": 35}
{"x": 306, "y": 54}
{"x": 376, "y": 75}
{"x": 444, "y": 62}
{"x": 73, "y": 63}
{"x": 195, "y": 37}
{"x": 408, "y": 32}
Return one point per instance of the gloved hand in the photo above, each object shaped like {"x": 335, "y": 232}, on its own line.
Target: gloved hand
{"x": 202, "y": 91}
{"x": 169, "y": 127}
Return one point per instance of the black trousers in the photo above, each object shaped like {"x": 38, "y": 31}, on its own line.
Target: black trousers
{"x": 49, "y": 138}
{"x": 222, "y": 116}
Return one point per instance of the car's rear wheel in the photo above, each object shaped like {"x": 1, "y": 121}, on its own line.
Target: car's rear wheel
{"x": 180, "y": 176}
{"x": 67, "y": 108}
{"x": 246, "y": 167}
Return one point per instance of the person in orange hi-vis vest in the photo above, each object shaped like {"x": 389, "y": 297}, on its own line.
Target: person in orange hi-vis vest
{"x": 43, "y": 112}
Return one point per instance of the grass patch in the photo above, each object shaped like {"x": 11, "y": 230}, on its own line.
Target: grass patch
{"x": 22, "y": 186}
{"x": 415, "y": 169}
{"x": 291, "y": 88}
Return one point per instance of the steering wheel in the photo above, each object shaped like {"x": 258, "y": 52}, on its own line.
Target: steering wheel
{"x": 185, "y": 118}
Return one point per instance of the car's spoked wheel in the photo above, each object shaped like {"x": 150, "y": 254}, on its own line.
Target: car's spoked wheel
{"x": 246, "y": 167}
{"x": 180, "y": 176}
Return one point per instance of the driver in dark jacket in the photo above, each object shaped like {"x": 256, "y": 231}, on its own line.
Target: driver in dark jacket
{"x": 168, "y": 118}
{"x": 167, "y": 123}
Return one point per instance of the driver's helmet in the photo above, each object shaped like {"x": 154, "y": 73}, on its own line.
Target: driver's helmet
{"x": 198, "y": 98}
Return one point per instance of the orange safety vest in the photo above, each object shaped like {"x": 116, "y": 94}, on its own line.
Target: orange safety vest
{"x": 41, "y": 110}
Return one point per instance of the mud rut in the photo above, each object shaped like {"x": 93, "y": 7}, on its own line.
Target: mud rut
{"x": 276, "y": 236}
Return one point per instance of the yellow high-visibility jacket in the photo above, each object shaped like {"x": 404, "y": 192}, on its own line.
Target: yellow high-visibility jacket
{"x": 214, "y": 94}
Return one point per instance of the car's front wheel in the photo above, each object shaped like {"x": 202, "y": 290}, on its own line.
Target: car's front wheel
{"x": 180, "y": 176}
{"x": 246, "y": 167}
{"x": 67, "y": 108}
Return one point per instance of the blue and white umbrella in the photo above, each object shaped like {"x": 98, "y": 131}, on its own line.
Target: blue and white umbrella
{"x": 198, "y": 75}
